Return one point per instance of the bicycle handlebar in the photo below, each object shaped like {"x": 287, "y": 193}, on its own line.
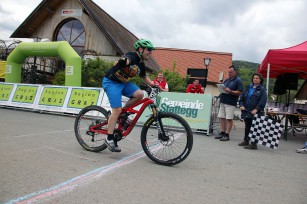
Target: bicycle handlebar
{"x": 152, "y": 92}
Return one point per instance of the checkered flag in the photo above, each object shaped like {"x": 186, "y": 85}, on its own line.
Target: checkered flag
{"x": 265, "y": 131}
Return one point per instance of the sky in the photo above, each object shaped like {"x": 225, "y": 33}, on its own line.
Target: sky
{"x": 247, "y": 29}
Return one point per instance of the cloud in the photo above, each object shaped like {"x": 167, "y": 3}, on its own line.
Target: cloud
{"x": 247, "y": 29}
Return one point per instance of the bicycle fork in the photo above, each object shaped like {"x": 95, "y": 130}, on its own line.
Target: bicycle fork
{"x": 161, "y": 133}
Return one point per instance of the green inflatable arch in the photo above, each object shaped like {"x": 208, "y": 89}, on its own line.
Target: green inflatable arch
{"x": 51, "y": 49}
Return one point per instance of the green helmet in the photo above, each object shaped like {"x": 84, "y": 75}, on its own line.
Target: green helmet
{"x": 143, "y": 44}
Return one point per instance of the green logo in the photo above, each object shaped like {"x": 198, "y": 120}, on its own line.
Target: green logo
{"x": 81, "y": 98}
{"x": 5, "y": 91}
{"x": 25, "y": 94}
{"x": 53, "y": 96}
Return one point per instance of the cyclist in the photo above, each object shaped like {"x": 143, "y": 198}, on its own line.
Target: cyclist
{"x": 116, "y": 83}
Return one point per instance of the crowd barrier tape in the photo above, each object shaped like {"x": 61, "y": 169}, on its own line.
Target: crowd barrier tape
{"x": 194, "y": 108}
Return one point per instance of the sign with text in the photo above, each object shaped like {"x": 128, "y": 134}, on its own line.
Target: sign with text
{"x": 25, "y": 95}
{"x": 80, "y": 97}
{"x": 71, "y": 12}
{"x": 5, "y": 91}
{"x": 52, "y": 98}
{"x": 194, "y": 108}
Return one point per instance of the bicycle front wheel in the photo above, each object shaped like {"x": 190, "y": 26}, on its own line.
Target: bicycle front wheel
{"x": 172, "y": 148}
{"x": 88, "y": 117}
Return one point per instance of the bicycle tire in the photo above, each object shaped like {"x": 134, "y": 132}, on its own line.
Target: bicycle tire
{"x": 88, "y": 116}
{"x": 179, "y": 144}
{"x": 298, "y": 129}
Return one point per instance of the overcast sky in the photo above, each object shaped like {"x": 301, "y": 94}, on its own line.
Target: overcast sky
{"x": 245, "y": 28}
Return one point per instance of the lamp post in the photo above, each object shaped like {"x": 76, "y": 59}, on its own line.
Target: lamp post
{"x": 207, "y": 62}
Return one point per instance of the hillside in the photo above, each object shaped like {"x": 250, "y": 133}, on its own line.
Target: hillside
{"x": 244, "y": 64}
{"x": 245, "y": 70}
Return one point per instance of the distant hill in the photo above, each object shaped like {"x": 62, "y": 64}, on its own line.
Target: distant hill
{"x": 245, "y": 70}
{"x": 244, "y": 64}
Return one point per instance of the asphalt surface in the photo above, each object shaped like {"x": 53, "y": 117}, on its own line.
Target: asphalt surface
{"x": 42, "y": 162}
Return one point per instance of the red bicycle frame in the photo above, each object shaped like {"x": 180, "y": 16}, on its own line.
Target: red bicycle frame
{"x": 131, "y": 110}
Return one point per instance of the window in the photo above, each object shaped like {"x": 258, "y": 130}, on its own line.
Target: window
{"x": 72, "y": 31}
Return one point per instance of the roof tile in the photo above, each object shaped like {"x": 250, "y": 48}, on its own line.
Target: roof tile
{"x": 180, "y": 60}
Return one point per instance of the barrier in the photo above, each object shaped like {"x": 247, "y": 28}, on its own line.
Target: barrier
{"x": 194, "y": 108}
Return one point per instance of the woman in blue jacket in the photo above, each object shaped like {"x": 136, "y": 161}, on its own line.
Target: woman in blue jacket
{"x": 252, "y": 101}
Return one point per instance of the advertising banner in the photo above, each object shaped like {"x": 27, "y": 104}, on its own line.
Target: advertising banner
{"x": 81, "y": 97}
{"x": 52, "y": 98}
{"x": 194, "y": 108}
{"x": 25, "y": 95}
{"x": 6, "y": 91}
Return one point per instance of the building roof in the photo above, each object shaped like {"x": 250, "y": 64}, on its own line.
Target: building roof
{"x": 121, "y": 38}
{"x": 181, "y": 59}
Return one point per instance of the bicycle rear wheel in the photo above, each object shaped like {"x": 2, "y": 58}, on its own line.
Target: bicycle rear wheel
{"x": 87, "y": 117}
{"x": 172, "y": 149}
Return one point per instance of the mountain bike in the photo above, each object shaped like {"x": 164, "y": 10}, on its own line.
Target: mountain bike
{"x": 166, "y": 138}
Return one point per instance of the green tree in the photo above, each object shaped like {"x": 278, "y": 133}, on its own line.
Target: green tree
{"x": 59, "y": 78}
{"x": 93, "y": 70}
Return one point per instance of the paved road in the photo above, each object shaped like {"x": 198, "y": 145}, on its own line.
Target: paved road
{"x": 41, "y": 162}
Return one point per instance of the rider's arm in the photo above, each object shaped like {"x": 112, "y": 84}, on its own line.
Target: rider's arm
{"x": 148, "y": 81}
{"x": 124, "y": 61}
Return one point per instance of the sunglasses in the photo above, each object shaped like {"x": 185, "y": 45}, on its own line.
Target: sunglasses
{"x": 149, "y": 49}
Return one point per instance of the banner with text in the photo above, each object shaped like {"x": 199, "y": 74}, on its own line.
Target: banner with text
{"x": 194, "y": 108}
{"x": 52, "y": 98}
{"x": 81, "y": 97}
{"x": 6, "y": 93}
{"x": 25, "y": 95}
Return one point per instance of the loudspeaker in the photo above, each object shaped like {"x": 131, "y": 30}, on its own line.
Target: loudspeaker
{"x": 197, "y": 72}
{"x": 290, "y": 80}
{"x": 279, "y": 86}
{"x": 284, "y": 82}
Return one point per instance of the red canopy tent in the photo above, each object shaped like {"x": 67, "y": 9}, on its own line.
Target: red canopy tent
{"x": 287, "y": 60}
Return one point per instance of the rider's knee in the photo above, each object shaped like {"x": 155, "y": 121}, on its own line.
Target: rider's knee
{"x": 139, "y": 94}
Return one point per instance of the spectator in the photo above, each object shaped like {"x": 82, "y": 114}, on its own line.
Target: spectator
{"x": 228, "y": 102}
{"x": 161, "y": 82}
{"x": 252, "y": 101}
{"x": 195, "y": 87}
